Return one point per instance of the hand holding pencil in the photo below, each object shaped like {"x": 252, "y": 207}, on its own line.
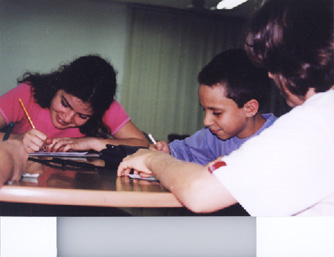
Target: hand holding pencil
{"x": 26, "y": 113}
{"x": 33, "y": 140}
{"x": 160, "y": 146}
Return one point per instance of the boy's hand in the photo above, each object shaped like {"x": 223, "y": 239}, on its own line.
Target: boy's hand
{"x": 161, "y": 146}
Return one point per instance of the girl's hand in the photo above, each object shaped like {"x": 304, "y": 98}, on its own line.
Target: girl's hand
{"x": 161, "y": 146}
{"x": 65, "y": 144}
{"x": 33, "y": 140}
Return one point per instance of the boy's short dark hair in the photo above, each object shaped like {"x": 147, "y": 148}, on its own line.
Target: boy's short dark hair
{"x": 242, "y": 79}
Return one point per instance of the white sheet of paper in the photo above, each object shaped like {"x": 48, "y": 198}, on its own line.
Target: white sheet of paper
{"x": 28, "y": 175}
{"x": 136, "y": 176}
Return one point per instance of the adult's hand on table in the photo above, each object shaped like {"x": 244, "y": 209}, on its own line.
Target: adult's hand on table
{"x": 138, "y": 162}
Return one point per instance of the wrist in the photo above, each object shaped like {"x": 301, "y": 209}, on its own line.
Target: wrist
{"x": 149, "y": 160}
{"x": 97, "y": 144}
{"x": 156, "y": 161}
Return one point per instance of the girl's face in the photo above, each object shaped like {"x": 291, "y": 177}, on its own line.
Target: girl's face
{"x": 68, "y": 111}
{"x": 222, "y": 115}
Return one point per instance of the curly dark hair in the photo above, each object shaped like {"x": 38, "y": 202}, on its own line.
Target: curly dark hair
{"x": 89, "y": 78}
{"x": 294, "y": 39}
{"x": 242, "y": 80}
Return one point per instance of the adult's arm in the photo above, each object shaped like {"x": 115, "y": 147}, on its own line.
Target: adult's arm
{"x": 194, "y": 186}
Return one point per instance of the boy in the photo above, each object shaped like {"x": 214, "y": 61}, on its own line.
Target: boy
{"x": 232, "y": 93}
{"x": 288, "y": 169}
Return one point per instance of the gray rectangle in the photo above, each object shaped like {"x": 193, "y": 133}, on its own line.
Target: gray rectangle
{"x": 156, "y": 236}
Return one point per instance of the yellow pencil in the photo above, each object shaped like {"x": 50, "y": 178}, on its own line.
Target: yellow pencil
{"x": 26, "y": 113}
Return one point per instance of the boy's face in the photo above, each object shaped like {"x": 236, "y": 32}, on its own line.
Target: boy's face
{"x": 222, "y": 115}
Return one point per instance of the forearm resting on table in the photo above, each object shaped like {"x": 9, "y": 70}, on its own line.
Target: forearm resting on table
{"x": 99, "y": 144}
{"x": 192, "y": 184}
{"x": 88, "y": 143}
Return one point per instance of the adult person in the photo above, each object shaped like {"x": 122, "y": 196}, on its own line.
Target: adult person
{"x": 72, "y": 108}
{"x": 13, "y": 159}
{"x": 289, "y": 168}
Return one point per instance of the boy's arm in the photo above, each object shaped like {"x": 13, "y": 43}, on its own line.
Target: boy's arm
{"x": 194, "y": 148}
{"x": 193, "y": 185}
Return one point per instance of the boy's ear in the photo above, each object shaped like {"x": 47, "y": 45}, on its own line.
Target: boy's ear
{"x": 251, "y": 108}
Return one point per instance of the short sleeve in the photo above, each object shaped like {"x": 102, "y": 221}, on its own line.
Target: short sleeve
{"x": 115, "y": 117}
{"x": 10, "y": 107}
{"x": 285, "y": 170}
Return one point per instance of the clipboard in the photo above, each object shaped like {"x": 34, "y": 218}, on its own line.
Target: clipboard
{"x": 65, "y": 154}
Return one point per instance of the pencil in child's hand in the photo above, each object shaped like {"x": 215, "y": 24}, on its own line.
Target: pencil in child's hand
{"x": 26, "y": 113}
{"x": 152, "y": 138}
